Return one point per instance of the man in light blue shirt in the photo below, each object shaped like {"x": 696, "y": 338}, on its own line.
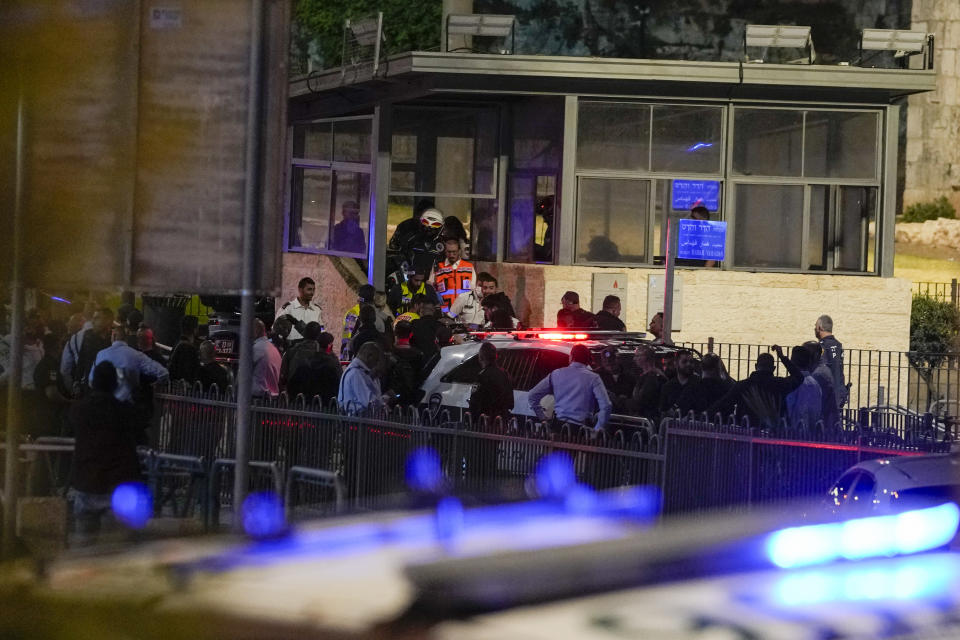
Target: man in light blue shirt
{"x": 131, "y": 365}
{"x": 359, "y": 385}
{"x": 577, "y": 391}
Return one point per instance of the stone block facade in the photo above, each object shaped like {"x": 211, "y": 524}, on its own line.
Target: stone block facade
{"x": 933, "y": 119}
{"x": 732, "y": 306}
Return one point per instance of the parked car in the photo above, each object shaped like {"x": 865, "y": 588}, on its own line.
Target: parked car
{"x": 527, "y": 356}
{"x": 891, "y": 485}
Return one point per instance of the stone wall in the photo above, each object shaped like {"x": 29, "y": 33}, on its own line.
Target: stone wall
{"x": 933, "y": 119}
{"x": 733, "y": 306}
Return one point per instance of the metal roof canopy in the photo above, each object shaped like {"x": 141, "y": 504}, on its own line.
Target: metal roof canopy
{"x": 419, "y": 73}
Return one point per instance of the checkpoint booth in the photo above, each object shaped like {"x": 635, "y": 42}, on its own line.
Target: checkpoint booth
{"x": 566, "y": 170}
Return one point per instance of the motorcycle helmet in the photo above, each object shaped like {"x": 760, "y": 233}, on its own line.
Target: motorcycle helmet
{"x": 432, "y": 219}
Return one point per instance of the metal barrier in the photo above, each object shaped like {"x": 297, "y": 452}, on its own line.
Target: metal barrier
{"x": 713, "y": 464}
{"x": 177, "y": 482}
{"x": 876, "y": 378}
{"x": 368, "y": 453}
{"x": 313, "y": 493}
{"x": 942, "y": 291}
{"x": 262, "y": 476}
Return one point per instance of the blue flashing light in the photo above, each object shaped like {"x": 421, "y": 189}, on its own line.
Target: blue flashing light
{"x": 132, "y": 504}
{"x": 904, "y": 533}
{"x": 450, "y": 518}
{"x": 903, "y": 579}
{"x": 555, "y": 476}
{"x": 59, "y": 299}
{"x": 699, "y": 145}
{"x": 424, "y": 471}
{"x": 262, "y": 515}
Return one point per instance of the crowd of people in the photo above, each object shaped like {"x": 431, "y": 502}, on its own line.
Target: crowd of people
{"x": 90, "y": 376}
{"x": 656, "y": 385}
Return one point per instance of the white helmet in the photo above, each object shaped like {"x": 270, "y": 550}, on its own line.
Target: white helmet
{"x": 432, "y": 219}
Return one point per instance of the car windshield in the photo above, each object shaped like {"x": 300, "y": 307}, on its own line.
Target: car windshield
{"x": 919, "y": 497}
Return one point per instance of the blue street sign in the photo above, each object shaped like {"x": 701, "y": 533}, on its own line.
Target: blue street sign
{"x": 687, "y": 193}
{"x": 701, "y": 239}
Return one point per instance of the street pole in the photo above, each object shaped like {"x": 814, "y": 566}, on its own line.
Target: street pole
{"x": 251, "y": 228}
{"x": 670, "y": 263}
{"x": 16, "y": 349}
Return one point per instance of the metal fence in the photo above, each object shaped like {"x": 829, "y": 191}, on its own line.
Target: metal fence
{"x": 726, "y": 465}
{"x": 942, "y": 291}
{"x": 369, "y": 453}
{"x": 878, "y": 379}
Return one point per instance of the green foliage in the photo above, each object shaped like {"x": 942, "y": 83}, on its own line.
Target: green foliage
{"x": 408, "y": 25}
{"x": 922, "y": 211}
{"x": 934, "y": 331}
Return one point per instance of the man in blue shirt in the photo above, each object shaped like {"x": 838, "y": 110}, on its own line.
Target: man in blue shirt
{"x": 131, "y": 366}
{"x": 578, "y": 392}
{"x": 359, "y": 385}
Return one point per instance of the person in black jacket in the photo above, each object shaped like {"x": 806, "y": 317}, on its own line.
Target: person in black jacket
{"x": 367, "y": 330}
{"x": 712, "y": 386}
{"x": 185, "y": 358}
{"x": 319, "y": 375}
{"x": 675, "y": 392}
{"x": 105, "y": 453}
{"x": 608, "y": 318}
{"x": 650, "y": 380}
{"x": 762, "y": 396}
{"x": 493, "y": 396}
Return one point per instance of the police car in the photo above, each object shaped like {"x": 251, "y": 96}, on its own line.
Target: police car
{"x": 527, "y": 356}
{"x": 891, "y": 485}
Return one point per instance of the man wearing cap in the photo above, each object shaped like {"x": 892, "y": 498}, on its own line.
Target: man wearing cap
{"x": 301, "y": 309}
{"x": 578, "y": 393}
{"x": 365, "y": 295}
{"x": 578, "y": 318}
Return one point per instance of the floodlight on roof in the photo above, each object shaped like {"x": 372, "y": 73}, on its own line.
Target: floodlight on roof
{"x": 779, "y": 36}
{"x": 903, "y": 42}
{"x": 483, "y": 25}
{"x": 362, "y": 43}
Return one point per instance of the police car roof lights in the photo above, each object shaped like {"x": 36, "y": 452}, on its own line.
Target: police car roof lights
{"x": 874, "y": 537}
{"x": 560, "y": 333}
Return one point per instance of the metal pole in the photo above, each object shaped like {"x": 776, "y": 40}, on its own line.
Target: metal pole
{"x": 667, "y": 336}
{"x": 16, "y": 349}
{"x": 251, "y": 220}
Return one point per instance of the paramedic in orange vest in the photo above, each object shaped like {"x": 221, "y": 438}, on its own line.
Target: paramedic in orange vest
{"x": 453, "y": 276}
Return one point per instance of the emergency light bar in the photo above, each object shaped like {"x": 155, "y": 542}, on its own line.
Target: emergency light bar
{"x": 561, "y": 333}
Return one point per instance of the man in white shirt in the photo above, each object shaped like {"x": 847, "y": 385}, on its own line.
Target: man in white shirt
{"x": 266, "y": 363}
{"x": 467, "y": 307}
{"x": 301, "y": 309}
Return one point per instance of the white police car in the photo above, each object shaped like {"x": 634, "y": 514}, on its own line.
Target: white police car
{"x": 527, "y": 356}
{"x": 891, "y": 485}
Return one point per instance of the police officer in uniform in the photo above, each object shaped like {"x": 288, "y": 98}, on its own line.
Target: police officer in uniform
{"x": 301, "y": 309}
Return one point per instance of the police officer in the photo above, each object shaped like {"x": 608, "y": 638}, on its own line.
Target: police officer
{"x": 301, "y": 309}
